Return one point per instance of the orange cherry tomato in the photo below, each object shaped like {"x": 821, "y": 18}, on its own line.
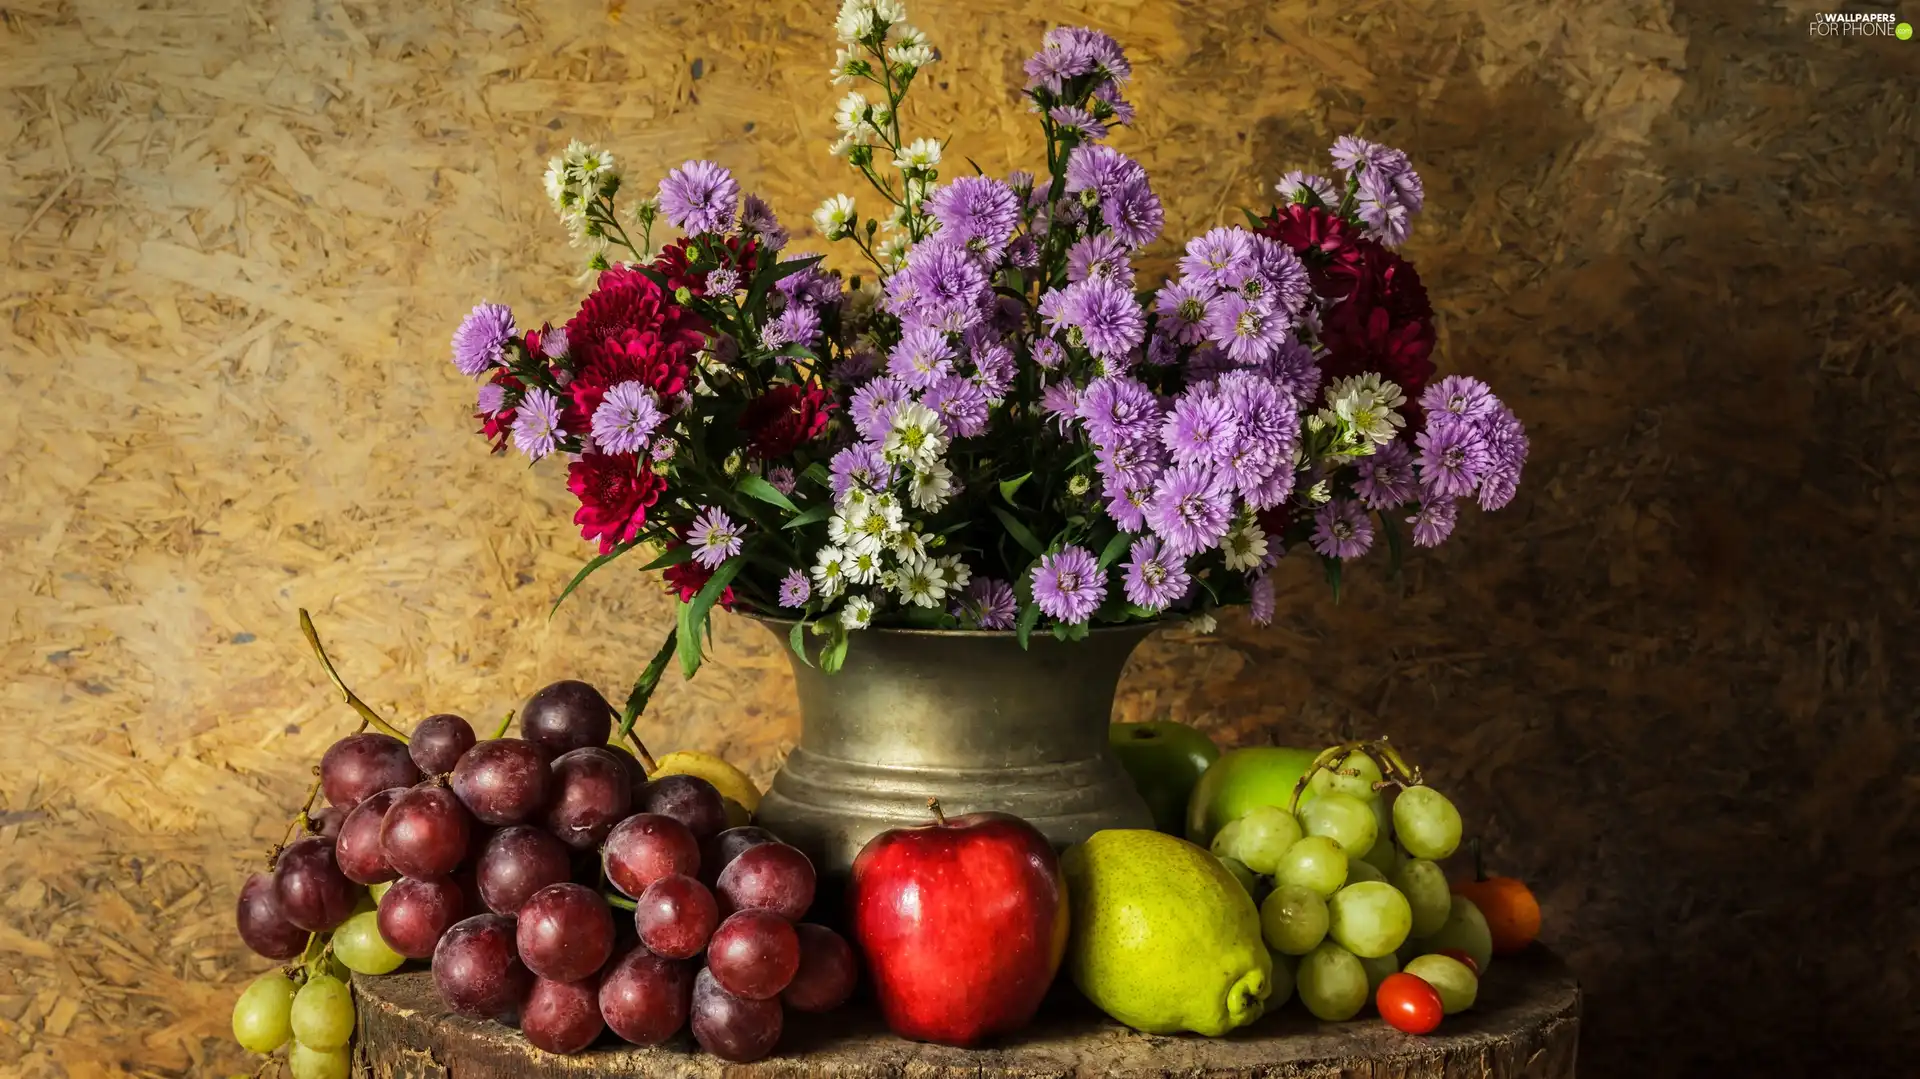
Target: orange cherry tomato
{"x": 1512, "y": 913}
{"x": 1464, "y": 959}
{"x": 1408, "y": 1003}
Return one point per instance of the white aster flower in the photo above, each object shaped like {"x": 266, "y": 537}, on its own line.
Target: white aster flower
{"x": 1203, "y": 623}
{"x": 857, "y": 19}
{"x": 889, "y": 11}
{"x": 864, "y": 567}
{"x": 887, "y": 504}
{"x": 932, "y": 486}
{"x": 857, "y": 614}
{"x": 868, "y": 532}
{"x": 918, "y": 154}
{"x": 910, "y": 47}
{"x": 829, "y": 572}
{"x": 958, "y": 575}
{"x": 1368, "y": 404}
{"x": 1245, "y": 547}
{"x": 859, "y": 120}
{"x": 917, "y": 437}
{"x": 921, "y": 582}
{"x": 1320, "y": 493}
{"x": 892, "y": 250}
{"x": 907, "y": 545}
{"x": 836, "y": 217}
{"x": 847, "y": 66}
{"x": 840, "y": 528}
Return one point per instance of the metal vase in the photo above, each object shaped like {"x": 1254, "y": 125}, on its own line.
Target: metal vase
{"x": 967, "y": 717}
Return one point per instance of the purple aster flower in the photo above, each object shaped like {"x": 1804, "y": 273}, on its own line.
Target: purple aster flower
{"x": 1117, "y": 108}
{"x": 1265, "y": 411}
{"x": 1201, "y": 429}
{"x": 1182, "y": 306}
{"x": 1350, "y": 152}
{"x": 1020, "y": 180}
{"x": 796, "y": 325}
{"x": 1385, "y": 479}
{"x": 1207, "y": 363}
{"x": 811, "y": 287}
{"x": 1062, "y": 402}
{"x": 1434, "y": 522}
{"x": 1297, "y": 186}
{"x": 1099, "y": 255}
{"x": 1023, "y": 253}
{"x": 1077, "y": 121}
{"x": 1190, "y": 510}
{"x": 1069, "y": 585}
{"x": 1282, "y": 277}
{"x": 1130, "y": 462}
{"x": 757, "y": 219}
{"x": 1291, "y": 367}
{"x": 782, "y": 479}
{"x": 1341, "y": 529}
{"x": 662, "y": 451}
{"x": 1260, "y": 599}
{"x": 977, "y": 212}
{"x": 1155, "y": 579}
{"x": 1453, "y": 457}
{"x": 1101, "y": 49}
{"x": 942, "y": 285}
{"x": 481, "y": 340}
{"x": 1271, "y": 491}
{"x": 1134, "y": 213}
{"x": 873, "y": 406}
{"x": 961, "y": 404}
{"x": 993, "y": 363}
{"x": 1118, "y": 409}
{"x": 1048, "y": 353}
{"x": 626, "y": 418}
{"x": 856, "y": 365}
{"x": 1458, "y": 397}
{"x": 553, "y": 342}
{"x": 536, "y": 423}
{"x": 1105, "y": 315}
{"x": 722, "y": 281}
{"x": 714, "y": 538}
{"x": 493, "y": 398}
{"x": 860, "y": 464}
{"x": 987, "y": 603}
{"x": 1378, "y": 205}
{"x": 1507, "y": 448}
{"x": 1223, "y": 258}
{"x": 1127, "y": 502}
{"x": 700, "y": 197}
{"x": 1049, "y": 69}
{"x": 1249, "y": 331}
{"x": 923, "y": 357}
{"x": 795, "y": 589}
{"x": 1102, "y": 169}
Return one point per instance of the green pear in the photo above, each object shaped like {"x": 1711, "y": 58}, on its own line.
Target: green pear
{"x": 1163, "y": 938}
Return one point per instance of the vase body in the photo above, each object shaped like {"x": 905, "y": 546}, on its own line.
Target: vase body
{"x": 969, "y": 718}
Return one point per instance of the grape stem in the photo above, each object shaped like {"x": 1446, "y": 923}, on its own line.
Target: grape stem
{"x": 371, "y": 717}
{"x": 640, "y": 750}
{"x": 1394, "y": 769}
{"x": 620, "y": 901}
{"x": 501, "y": 730}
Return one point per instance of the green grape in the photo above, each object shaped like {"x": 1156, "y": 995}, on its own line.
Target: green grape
{"x": 1258, "y": 837}
{"x": 1293, "y": 919}
{"x": 306, "y": 1062}
{"x": 1383, "y": 855}
{"x": 1359, "y": 869}
{"x": 379, "y": 891}
{"x": 1315, "y": 863}
{"x": 1344, "y": 819}
{"x": 1281, "y": 981}
{"x": 1369, "y": 919}
{"x": 1452, "y": 979}
{"x": 1427, "y": 825}
{"x": 1331, "y": 982}
{"x": 1465, "y": 929}
{"x": 323, "y": 1013}
{"x": 359, "y": 945}
{"x": 1327, "y": 781}
{"x": 260, "y": 1016}
{"x": 367, "y": 901}
{"x": 1425, "y": 886}
{"x": 1241, "y": 873}
{"x": 1377, "y": 970}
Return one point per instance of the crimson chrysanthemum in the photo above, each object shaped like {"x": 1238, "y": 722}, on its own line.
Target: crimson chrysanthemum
{"x": 1376, "y": 277}
{"x": 673, "y": 264}
{"x": 688, "y": 578}
{"x": 784, "y": 418}
{"x": 1362, "y": 339}
{"x": 1321, "y": 238}
{"x": 615, "y": 492}
{"x": 628, "y": 330}
{"x": 497, "y": 427}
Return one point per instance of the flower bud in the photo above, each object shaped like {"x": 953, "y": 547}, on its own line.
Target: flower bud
{"x": 683, "y": 295}
{"x": 860, "y": 156}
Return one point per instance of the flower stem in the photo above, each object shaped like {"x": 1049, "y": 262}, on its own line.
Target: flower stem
{"x": 371, "y": 717}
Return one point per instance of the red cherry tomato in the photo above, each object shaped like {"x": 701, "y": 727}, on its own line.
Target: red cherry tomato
{"x": 1465, "y": 959}
{"x": 1408, "y": 1003}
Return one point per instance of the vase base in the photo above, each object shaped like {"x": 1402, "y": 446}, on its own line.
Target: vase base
{"x": 829, "y": 808}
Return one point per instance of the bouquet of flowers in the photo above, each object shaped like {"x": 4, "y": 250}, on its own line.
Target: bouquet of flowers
{"x": 988, "y": 421}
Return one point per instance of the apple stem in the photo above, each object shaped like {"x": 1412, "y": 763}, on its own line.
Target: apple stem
{"x": 933, "y": 806}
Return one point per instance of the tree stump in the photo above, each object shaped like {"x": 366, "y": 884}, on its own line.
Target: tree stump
{"x": 1525, "y": 1025}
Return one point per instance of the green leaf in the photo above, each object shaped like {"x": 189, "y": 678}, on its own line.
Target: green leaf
{"x": 643, "y": 687}
{"x": 929, "y": 618}
{"x": 674, "y": 557}
{"x": 1008, "y": 487}
{"x": 834, "y": 655}
{"x": 586, "y": 570}
{"x": 1253, "y": 222}
{"x": 688, "y": 640}
{"x": 693, "y": 616}
{"x": 818, "y": 473}
{"x": 657, "y": 278}
{"x": 1018, "y": 531}
{"x": 796, "y": 640}
{"x": 782, "y": 270}
{"x": 1029, "y": 616}
{"x": 819, "y": 512}
{"x": 1115, "y": 548}
{"x": 756, "y": 487}
{"x": 1332, "y": 566}
{"x": 1395, "y": 552}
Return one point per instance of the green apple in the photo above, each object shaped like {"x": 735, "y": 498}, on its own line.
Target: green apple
{"x": 1165, "y": 760}
{"x": 1242, "y": 779}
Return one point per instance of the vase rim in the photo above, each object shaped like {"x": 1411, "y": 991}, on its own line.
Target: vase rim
{"x": 1150, "y": 626}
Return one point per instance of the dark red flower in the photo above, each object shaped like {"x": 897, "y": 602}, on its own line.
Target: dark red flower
{"x": 498, "y": 426}
{"x": 628, "y": 330}
{"x": 782, "y": 419}
{"x": 1376, "y": 277}
{"x": 615, "y": 492}
{"x": 1360, "y": 339}
{"x": 689, "y": 577}
{"x": 1321, "y": 238}
{"x": 674, "y": 264}
{"x": 634, "y": 356}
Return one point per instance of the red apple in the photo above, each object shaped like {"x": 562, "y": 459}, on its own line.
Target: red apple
{"x": 963, "y": 923}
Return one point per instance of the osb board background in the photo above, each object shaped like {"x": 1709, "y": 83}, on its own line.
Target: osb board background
{"x": 1671, "y": 685}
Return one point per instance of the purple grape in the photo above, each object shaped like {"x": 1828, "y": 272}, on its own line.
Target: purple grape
{"x": 644, "y": 997}
{"x": 326, "y": 821}
{"x": 676, "y": 916}
{"x": 415, "y": 914}
{"x": 562, "y": 1017}
{"x": 770, "y": 876}
{"x": 439, "y": 742}
{"x": 312, "y": 891}
{"x": 503, "y": 781}
{"x": 592, "y": 792}
{"x": 517, "y": 862}
{"x": 361, "y": 765}
{"x": 827, "y": 974}
{"x": 263, "y": 925}
{"x": 645, "y": 847}
{"x": 754, "y": 954}
{"x": 358, "y": 851}
{"x": 426, "y": 832}
{"x": 566, "y": 716}
{"x": 565, "y": 932}
{"x": 732, "y": 1027}
{"x": 477, "y": 971}
{"x": 688, "y": 799}
{"x": 720, "y": 851}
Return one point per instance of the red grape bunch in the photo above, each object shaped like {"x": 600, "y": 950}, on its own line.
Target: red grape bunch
{"x": 510, "y": 865}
